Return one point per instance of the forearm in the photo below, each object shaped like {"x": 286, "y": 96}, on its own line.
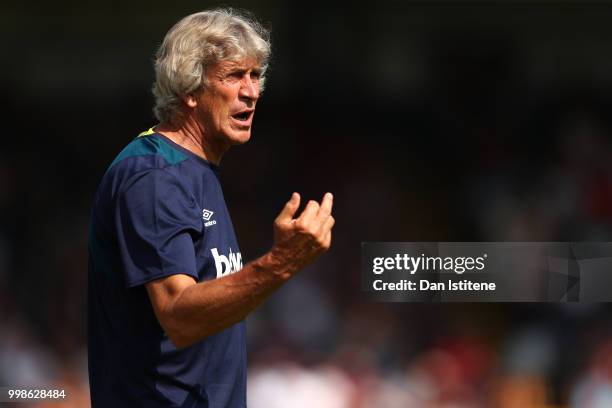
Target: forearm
{"x": 208, "y": 307}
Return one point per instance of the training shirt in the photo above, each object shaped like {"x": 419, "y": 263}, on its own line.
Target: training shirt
{"x": 159, "y": 211}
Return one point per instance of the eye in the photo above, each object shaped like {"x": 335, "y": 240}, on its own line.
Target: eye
{"x": 255, "y": 75}
{"x": 234, "y": 76}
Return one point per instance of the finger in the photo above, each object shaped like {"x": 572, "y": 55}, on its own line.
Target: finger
{"x": 289, "y": 209}
{"x": 328, "y": 225}
{"x": 327, "y": 240}
{"x": 326, "y": 206}
{"x": 309, "y": 213}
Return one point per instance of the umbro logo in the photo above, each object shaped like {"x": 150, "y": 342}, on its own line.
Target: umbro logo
{"x": 206, "y": 216}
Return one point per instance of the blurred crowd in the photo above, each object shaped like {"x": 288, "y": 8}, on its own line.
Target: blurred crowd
{"x": 461, "y": 133}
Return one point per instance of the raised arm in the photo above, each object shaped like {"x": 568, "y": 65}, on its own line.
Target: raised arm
{"x": 189, "y": 311}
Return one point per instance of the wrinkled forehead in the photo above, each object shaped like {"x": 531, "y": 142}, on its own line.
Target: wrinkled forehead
{"x": 233, "y": 64}
{"x": 243, "y": 50}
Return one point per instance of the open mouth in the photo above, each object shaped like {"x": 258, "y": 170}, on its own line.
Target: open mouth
{"x": 243, "y": 116}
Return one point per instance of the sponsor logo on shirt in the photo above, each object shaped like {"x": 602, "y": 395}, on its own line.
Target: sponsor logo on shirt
{"x": 226, "y": 265}
{"x": 206, "y": 216}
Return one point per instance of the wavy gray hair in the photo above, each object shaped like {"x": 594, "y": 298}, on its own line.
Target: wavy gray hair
{"x": 197, "y": 42}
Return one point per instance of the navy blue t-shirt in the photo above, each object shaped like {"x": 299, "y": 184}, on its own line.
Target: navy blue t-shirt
{"x": 159, "y": 211}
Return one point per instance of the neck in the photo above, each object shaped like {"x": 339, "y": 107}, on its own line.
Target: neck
{"x": 193, "y": 137}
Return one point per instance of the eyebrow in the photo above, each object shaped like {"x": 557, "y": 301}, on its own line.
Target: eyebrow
{"x": 241, "y": 71}
{"x": 234, "y": 66}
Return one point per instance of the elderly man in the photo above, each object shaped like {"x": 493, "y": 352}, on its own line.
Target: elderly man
{"x": 168, "y": 294}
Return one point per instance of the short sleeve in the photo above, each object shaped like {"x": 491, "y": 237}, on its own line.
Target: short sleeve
{"x": 155, "y": 219}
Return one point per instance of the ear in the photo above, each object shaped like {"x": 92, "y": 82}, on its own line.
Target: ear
{"x": 190, "y": 100}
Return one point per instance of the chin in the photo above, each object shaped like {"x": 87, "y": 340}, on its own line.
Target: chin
{"x": 242, "y": 137}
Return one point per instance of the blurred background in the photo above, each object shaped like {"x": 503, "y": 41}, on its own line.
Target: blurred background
{"x": 429, "y": 121}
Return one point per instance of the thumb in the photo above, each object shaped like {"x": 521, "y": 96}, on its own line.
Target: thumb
{"x": 289, "y": 209}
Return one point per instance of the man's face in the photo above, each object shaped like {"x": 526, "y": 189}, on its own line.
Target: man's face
{"x": 226, "y": 105}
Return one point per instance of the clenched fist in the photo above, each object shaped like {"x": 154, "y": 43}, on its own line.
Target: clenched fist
{"x": 299, "y": 241}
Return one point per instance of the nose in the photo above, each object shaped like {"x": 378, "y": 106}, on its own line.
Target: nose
{"x": 249, "y": 88}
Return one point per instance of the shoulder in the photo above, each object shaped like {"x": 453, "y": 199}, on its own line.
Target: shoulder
{"x": 150, "y": 146}
{"x": 147, "y": 157}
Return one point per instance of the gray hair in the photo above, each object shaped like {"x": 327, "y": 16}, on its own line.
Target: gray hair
{"x": 197, "y": 42}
